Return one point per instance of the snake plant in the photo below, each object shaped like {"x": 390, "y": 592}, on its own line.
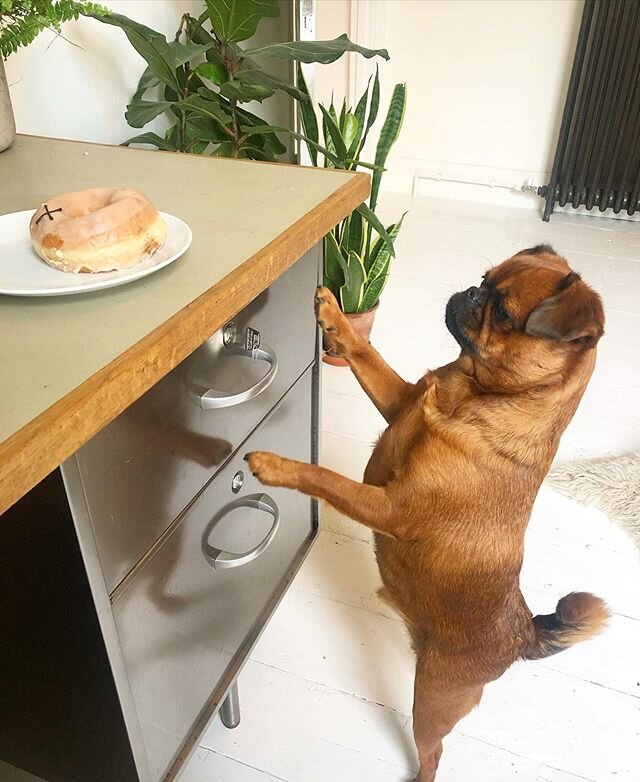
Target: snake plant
{"x": 359, "y": 251}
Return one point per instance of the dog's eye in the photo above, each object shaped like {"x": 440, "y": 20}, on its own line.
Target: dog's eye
{"x": 500, "y": 313}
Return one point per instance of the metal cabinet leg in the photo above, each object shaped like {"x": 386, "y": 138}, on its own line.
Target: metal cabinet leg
{"x": 230, "y": 709}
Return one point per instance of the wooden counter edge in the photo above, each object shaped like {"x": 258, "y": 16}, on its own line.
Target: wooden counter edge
{"x": 44, "y": 443}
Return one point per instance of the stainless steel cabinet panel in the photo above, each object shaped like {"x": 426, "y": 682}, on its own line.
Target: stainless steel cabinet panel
{"x": 139, "y": 473}
{"x": 181, "y": 619}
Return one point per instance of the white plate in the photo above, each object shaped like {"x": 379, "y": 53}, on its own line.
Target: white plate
{"x": 24, "y": 273}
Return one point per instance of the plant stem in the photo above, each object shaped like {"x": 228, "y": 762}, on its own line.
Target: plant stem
{"x": 186, "y": 70}
{"x": 231, "y": 66}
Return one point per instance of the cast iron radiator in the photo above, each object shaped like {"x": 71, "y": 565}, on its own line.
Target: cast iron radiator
{"x": 597, "y": 161}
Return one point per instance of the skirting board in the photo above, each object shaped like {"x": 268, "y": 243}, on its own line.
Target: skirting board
{"x": 482, "y": 184}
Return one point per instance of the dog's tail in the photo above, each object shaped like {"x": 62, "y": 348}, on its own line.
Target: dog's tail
{"x": 578, "y": 617}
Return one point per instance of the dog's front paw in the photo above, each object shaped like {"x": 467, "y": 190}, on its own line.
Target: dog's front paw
{"x": 268, "y": 468}
{"x": 331, "y": 319}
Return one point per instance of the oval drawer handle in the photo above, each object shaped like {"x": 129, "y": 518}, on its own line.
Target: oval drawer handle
{"x": 210, "y": 399}
{"x": 220, "y": 559}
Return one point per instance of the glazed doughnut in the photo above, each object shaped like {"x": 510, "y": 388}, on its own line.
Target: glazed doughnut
{"x": 97, "y": 230}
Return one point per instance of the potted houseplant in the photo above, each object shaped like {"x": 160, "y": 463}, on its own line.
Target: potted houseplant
{"x": 201, "y": 79}
{"x": 20, "y": 22}
{"x": 359, "y": 251}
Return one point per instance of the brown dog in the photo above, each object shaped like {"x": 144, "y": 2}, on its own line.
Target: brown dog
{"x": 450, "y": 484}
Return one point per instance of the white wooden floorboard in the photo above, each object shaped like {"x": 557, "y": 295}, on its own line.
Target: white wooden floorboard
{"x": 297, "y": 729}
{"x": 619, "y": 646}
{"x": 347, "y": 648}
{"x": 610, "y": 574}
{"x": 323, "y": 734}
{"x": 567, "y": 723}
{"x": 563, "y": 517}
{"x": 208, "y": 766}
{"x": 343, "y": 568}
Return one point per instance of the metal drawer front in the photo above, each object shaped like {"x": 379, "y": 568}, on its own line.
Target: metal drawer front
{"x": 141, "y": 471}
{"x": 202, "y": 596}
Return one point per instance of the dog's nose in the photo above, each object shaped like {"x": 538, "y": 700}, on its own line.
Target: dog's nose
{"x": 477, "y": 295}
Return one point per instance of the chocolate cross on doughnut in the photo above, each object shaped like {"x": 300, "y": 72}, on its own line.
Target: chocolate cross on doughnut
{"x": 48, "y": 213}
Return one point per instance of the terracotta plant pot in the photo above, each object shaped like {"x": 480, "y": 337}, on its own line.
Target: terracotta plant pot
{"x": 362, "y": 322}
{"x": 7, "y": 123}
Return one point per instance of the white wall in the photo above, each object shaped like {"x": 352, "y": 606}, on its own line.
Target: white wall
{"x": 81, "y": 91}
{"x": 486, "y": 85}
{"x": 333, "y": 17}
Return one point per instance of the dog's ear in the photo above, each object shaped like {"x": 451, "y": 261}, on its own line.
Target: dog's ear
{"x": 573, "y": 314}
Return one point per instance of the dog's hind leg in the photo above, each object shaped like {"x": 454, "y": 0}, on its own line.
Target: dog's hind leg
{"x": 437, "y": 708}
{"x": 386, "y": 389}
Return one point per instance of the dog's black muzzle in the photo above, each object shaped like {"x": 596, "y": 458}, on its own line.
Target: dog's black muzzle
{"x": 463, "y": 314}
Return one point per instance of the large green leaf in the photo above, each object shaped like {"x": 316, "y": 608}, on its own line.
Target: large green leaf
{"x": 185, "y": 52}
{"x": 244, "y": 93}
{"x": 206, "y": 107}
{"x": 269, "y": 143}
{"x": 334, "y": 264}
{"x": 330, "y": 160}
{"x": 378, "y": 267}
{"x": 146, "y": 82}
{"x": 360, "y": 115}
{"x": 237, "y": 20}
{"x": 349, "y": 130}
{"x": 150, "y": 138}
{"x": 197, "y": 147}
{"x": 118, "y": 20}
{"x": 249, "y": 130}
{"x": 204, "y": 129}
{"x": 162, "y": 56}
{"x": 256, "y": 75}
{"x": 343, "y": 114}
{"x": 159, "y": 55}
{"x": 332, "y": 128}
{"x": 252, "y": 152}
{"x": 151, "y": 45}
{"x": 198, "y": 34}
{"x": 388, "y": 135}
{"x": 308, "y": 115}
{"x": 372, "y": 291}
{"x": 257, "y": 130}
{"x": 172, "y": 96}
{"x": 268, "y": 140}
{"x": 375, "y": 223}
{"x": 224, "y": 150}
{"x": 172, "y": 135}
{"x": 373, "y": 107}
{"x": 196, "y": 31}
{"x": 352, "y": 292}
{"x": 213, "y": 72}
{"x": 140, "y": 112}
{"x": 316, "y": 51}
{"x": 380, "y": 257}
{"x": 374, "y": 266}
{"x": 354, "y": 235}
